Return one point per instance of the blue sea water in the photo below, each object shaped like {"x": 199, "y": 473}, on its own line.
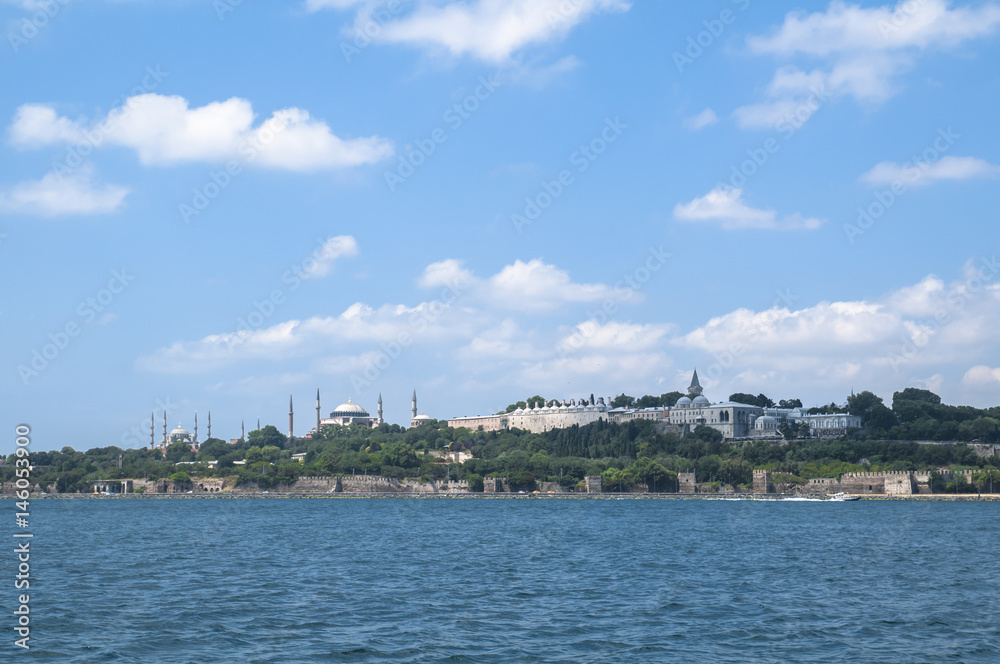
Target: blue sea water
{"x": 510, "y": 580}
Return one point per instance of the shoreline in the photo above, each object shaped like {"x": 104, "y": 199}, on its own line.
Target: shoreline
{"x": 747, "y": 497}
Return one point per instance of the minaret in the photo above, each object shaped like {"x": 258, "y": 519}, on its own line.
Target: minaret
{"x": 379, "y": 419}
{"x": 209, "y": 424}
{"x": 195, "y": 439}
{"x": 291, "y": 415}
{"x": 258, "y": 423}
{"x": 164, "y": 426}
{"x": 413, "y": 408}
{"x": 317, "y": 411}
{"x": 243, "y": 430}
{"x": 152, "y": 429}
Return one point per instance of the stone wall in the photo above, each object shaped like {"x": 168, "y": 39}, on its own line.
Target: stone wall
{"x": 593, "y": 484}
{"x": 686, "y": 483}
{"x": 762, "y": 481}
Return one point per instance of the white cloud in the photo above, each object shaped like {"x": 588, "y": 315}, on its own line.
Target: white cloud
{"x": 523, "y": 286}
{"x": 982, "y": 376}
{"x": 915, "y": 174}
{"x": 55, "y": 195}
{"x": 467, "y": 314}
{"x": 865, "y": 49}
{"x": 490, "y": 30}
{"x": 726, "y": 207}
{"x": 931, "y": 327}
{"x": 165, "y": 130}
{"x": 339, "y": 246}
{"x": 704, "y": 119}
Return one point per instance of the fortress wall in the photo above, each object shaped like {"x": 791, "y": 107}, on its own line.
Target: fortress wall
{"x": 686, "y": 483}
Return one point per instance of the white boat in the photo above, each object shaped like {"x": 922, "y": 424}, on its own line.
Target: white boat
{"x": 844, "y": 497}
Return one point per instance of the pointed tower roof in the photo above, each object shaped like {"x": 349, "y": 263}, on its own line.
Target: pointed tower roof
{"x": 695, "y": 387}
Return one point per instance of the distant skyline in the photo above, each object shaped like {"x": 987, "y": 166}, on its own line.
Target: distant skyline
{"x": 213, "y": 205}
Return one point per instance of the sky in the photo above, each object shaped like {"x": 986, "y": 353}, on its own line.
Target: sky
{"x": 215, "y": 205}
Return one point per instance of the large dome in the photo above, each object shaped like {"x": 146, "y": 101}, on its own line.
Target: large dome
{"x": 701, "y": 400}
{"x": 683, "y": 401}
{"x": 349, "y": 409}
{"x": 180, "y": 431}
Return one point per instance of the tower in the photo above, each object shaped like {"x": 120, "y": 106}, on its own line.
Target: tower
{"x": 378, "y": 419}
{"x": 291, "y": 415}
{"x": 317, "y": 411}
{"x": 164, "y": 427}
{"x": 195, "y": 439}
{"x": 152, "y": 429}
{"x": 695, "y": 387}
{"x": 209, "y": 424}
{"x": 413, "y": 408}
{"x": 258, "y": 423}
{"x": 243, "y": 431}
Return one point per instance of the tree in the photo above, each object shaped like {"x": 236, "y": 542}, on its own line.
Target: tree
{"x": 622, "y": 401}
{"x": 670, "y": 398}
{"x": 790, "y": 403}
{"x": 180, "y": 478}
{"x": 872, "y": 410}
{"x": 269, "y": 435}
{"x": 179, "y": 451}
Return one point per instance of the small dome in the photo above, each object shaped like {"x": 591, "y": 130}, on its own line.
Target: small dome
{"x": 767, "y": 418}
{"x": 422, "y": 418}
{"x": 702, "y": 400}
{"x": 683, "y": 401}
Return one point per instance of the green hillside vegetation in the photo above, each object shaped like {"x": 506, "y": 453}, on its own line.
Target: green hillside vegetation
{"x": 625, "y": 455}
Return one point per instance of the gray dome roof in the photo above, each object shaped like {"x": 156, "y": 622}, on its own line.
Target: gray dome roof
{"x": 349, "y": 409}
{"x": 683, "y": 401}
{"x": 180, "y": 431}
{"x": 701, "y": 400}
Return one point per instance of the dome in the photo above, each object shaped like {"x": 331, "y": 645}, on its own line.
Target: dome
{"x": 422, "y": 418}
{"x": 683, "y": 401}
{"x": 701, "y": 400}
{"x": 180, "y": 431}
{"x": 767, "y": 418}
{"x": 349, "y": 409}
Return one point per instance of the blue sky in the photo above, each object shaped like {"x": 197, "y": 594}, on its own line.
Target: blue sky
{"x": 213, "y": 205}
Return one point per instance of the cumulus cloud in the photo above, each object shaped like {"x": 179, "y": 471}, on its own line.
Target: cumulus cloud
{"x": 725, "y": 206}
{"x": 165, "y": 130}
{"x": 527, "y": 286}
{"x": 915, "y": 174}
{"x": 489, "y": 30}
{"x": 982, "y": 376}
{"x": 77, "y": 193}
{"x": 704, "y": 119}
{"x": 339, "y": 246}
{"x": 864, "y": 50}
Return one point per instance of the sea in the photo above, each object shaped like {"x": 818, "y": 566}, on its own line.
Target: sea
{"x": 508, "y": 580}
